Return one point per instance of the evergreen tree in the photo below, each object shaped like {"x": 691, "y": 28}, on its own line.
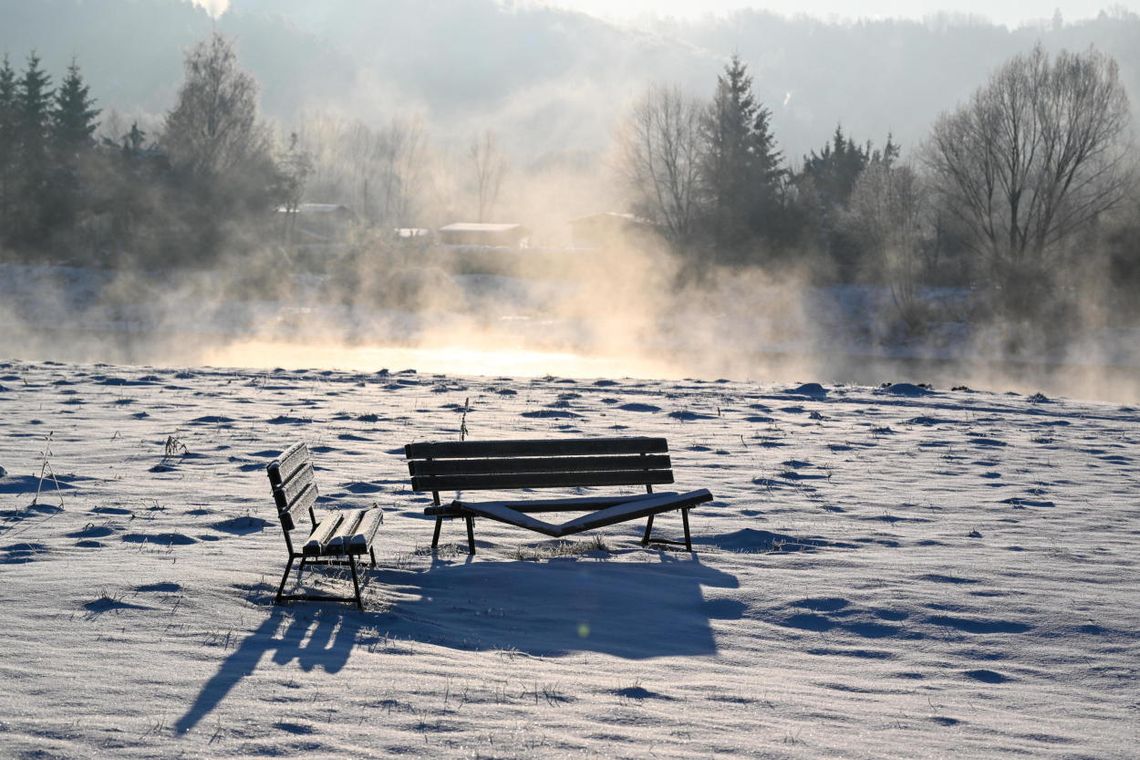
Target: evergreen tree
{"x": 134, "y": 141}
{"x": 740, "y": 171}
{"x": 73, "y": 118}
{"x": 8, "y": 144}
{"x": 825, "y": 185}
{"x": 33, "y": 167}
{"x": 72, "y": 128}
{"x": 835, "y": 168}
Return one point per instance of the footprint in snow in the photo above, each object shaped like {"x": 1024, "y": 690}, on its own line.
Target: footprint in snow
{"x": 241, "y": 526}
{"x": 360, "y": 487}
{"x": 978, "y": 625}
{"x": 987, "y": 676}
{"x": 1020, "y": 503}
{"x": 285, "y": 419}
{"x": 687, "y": 416}
{"x": 159, "y": 539}
{"x": 21, "y": 553}
{"x": 635, "y": 407}
{"x": 106, "y": 604}
{"x": 92, "y": 531}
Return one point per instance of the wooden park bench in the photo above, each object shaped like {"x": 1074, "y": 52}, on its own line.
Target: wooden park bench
{"x": 341, "y": 537}
{"x": 558, "y": 463}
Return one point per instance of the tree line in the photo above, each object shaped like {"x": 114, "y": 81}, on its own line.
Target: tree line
{"x": 173, "y": 197}
{"x": 1023, "y": 191}
{"x": 1026, "y": 192}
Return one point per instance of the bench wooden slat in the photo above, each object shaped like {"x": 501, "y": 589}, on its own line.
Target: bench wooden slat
{"x": 541, "y": 480}
{"x": 294, "y": 487}
{"x": 538, "y": 464}
{"x": 498, "y": 511}
{"x": 344, "y": 531}
{"x": 301, "y": 507}
{"x": 634, "y": 510}
{"x": 320, "y": 537}
{"x": 361, "y": 539}
{"x": 286, "y": 466}
{"x": 535, "y": 448}
{"x": 631, "y": 510}
{"x": 573, "y": 504}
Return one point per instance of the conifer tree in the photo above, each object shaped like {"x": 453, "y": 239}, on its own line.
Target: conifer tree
{"x": 71, "y": 136}
{"x": 73, "y": 117}
{"x": 740, "y": 171}
{"x": 33, "y": 118}
{"x": 8, "y": 143}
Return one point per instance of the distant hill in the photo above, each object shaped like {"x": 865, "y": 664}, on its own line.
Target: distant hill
{"x": 549, "y": 80}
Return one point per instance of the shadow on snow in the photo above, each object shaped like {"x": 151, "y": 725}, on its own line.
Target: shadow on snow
{"x": 631, "y": 610}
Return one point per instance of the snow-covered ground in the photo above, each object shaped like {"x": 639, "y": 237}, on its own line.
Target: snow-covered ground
{"x": 884, "y": 573}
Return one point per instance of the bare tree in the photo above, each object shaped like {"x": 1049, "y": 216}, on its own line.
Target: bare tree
{"x": 890, "y": 209}
{"x": 379, "y": 172}
{"x": 401, "y": 165}
{"x": 488, "y": 165}
{"x": 214, "y": 126}
{"x": 1033, "y": 158}
{"x": 661, "y": 158}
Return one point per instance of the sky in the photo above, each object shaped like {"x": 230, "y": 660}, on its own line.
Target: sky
{"x": 1003, "y": 11}
{"x": 1010, "y": 12}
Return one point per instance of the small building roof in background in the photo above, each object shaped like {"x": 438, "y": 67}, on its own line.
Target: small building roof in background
{"x": 480, "y": 227}
{"x": 316, "y": 208}
{"x": 611, "y": 216}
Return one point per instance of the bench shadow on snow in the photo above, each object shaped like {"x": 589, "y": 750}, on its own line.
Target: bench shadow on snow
{"x": 635, "y": 610}
{"x": 316, "y": 636}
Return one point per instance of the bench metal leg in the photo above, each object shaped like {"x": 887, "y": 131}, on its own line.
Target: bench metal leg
{"x": 688, "y": 538}
{"x": 301, "y": 568}
{"x": 284, "y": 580}
{"x": 648, "y": 531}
{"x": 355, "y": 582}
{"x": 372, "y": 554}
{"x": 470, "y": 534}
{"x": 435, "y": 537}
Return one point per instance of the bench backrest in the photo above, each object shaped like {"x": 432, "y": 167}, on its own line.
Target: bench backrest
{"x": 294, "y": 487}
{"x": 547, "y": 463}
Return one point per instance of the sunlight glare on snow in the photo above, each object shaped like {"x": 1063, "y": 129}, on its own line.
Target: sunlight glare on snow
{"x": 439, "y": 359}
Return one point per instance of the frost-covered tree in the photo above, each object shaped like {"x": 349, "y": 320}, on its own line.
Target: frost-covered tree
{"x": 661, "y": 160}
{"x": 890, "y": 214}
{"x": 1031, "y": 160}
{"x": 219, "y": 152}
{"x": 488, "y": 166}
{"x": 214, "y": 128}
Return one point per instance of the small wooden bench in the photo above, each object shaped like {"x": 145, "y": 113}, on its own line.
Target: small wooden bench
{"x": 340, "y": 538}
{"x": 557, "y": 463}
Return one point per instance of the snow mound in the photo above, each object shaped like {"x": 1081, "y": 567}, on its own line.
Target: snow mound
{"x": 906, "y": 390}
{"x": 808, "y": 390}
